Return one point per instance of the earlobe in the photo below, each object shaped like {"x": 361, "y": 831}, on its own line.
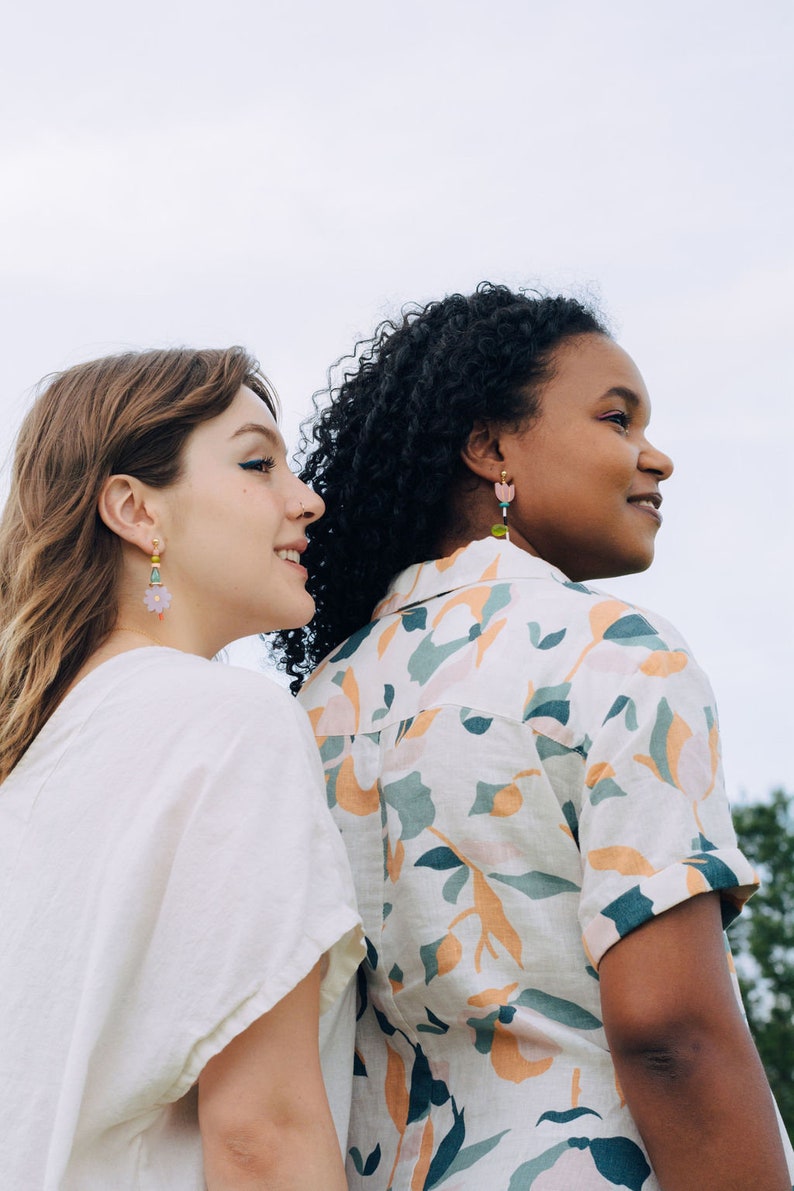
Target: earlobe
{"x": 123, "y": 507}
{"x": 481, "y": 454}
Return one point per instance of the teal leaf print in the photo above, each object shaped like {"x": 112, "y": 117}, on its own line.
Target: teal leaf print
{"x": 562, "y": 1118}
{"x": 454, "y": 884}
{"x": 525, "y": 1176}
{"x": 388, "y": 699}
{"x": 635, "y": 630}
{"x": 623, "y": 702}
{"x": 371, "y": 1164}
{"x": 359, "y": 1066}
{"x": 435, "y": 1026}
{"x": 351, "y": 645}
{"x": 483, "y": 1028}
{"x": 549, "y": 701}
{"x": 476, "y": 724}
{"x": 658, "y": 742}
{"x": 547, "y": 642}
{"x": 537, "y": 885}
{"x": 552, "y": 748}
{"x": 629, "y": 910}
{"x": 470, "y": 1154}
{"x": 438, "y": 858}
{"x": 620, "y": 1161}
{"x": 331, "y": 747}
{"x": 715, "y": 871}
{"x": 558, "y": 1009}
{"x": 607, "y": 787}
{"x": 424, "y": 1089}
{"x": 415, "y": 620}
{"x": 396, "y": 973}
{"x": 428, "y": 953}
{"x": 330, "y": 785}
{"x": 486, "y": 793}
{"x": 499, "y": 598}
{"x": 447, "y": 1151}
{"x": 569, "y": 811}
{"x": 412, "y": 802}
{"x": 386, "y": 1027}
{"x": 372, "y": 953}
{"x": 427, "y": 657}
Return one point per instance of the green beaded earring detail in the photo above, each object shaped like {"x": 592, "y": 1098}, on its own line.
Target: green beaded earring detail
{"x": 504, "y": 494}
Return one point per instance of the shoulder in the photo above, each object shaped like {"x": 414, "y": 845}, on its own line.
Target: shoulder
{"x": 189, "y": 695}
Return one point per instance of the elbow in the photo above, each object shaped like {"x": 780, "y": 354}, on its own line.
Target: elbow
{"x": 664, "y": 1057}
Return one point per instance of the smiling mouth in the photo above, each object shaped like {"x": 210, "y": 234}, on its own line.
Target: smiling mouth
{"x": 649, "y": 504}
{"x": 288, "y": 555}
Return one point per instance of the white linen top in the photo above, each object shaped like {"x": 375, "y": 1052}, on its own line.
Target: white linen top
{"x": 168, "y": 872}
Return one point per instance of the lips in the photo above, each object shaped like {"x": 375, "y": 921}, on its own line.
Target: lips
{"x": 649, "y": 502}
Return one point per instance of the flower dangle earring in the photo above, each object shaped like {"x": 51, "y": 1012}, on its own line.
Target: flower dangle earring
{"x": 504, "y": 494}
{"x": 157, "y": 597}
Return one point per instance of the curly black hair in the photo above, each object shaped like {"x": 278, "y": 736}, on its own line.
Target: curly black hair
{"x": 386, "y": 450}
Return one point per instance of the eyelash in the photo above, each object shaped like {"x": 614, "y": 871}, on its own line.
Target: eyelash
{"x": 618, "y": 417}
{"x": 261, "y": 465}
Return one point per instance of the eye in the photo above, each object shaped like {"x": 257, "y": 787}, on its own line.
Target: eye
{"x": 264, "y": 465}
{"x": 618, "y": 416}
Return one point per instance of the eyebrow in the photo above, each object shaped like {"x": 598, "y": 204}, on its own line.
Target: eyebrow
{"x": 627, "y": 394}
{"x": 272, "y": 437}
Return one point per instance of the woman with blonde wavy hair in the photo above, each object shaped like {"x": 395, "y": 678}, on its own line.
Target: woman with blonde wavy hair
{"x": 176, "y": 903}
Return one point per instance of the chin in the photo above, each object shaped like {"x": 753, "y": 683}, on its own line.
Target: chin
{"x": 610, "y": 569}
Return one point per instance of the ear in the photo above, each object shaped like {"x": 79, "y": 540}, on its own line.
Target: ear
{"x": 482, "y": 454}
{"x": 124, "y": 505}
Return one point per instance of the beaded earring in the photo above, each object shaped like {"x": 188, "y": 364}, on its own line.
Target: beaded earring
{"x": 504, "y": 494}
{"x": 157, "y": 597}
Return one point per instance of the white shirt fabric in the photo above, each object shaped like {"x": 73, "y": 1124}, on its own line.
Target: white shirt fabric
{"x": 168, "y": 872}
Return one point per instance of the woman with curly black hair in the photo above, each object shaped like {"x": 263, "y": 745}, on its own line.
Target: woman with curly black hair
{"x": 525, "y": 772}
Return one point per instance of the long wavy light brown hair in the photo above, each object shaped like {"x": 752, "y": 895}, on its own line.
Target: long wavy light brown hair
{"x": 128, "y": 414}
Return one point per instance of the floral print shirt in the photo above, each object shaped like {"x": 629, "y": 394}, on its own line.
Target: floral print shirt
{"x": 524, "y": 770}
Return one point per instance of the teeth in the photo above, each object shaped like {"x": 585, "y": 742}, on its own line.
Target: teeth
{"x": 289, "y": 555}
{"x": 646, "y": 504}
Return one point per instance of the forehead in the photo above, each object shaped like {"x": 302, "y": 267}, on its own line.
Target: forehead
{"x": 247, "y": 417}
{"x": 589, "y": 367}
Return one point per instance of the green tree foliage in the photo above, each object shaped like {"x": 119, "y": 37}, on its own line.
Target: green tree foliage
{"x": 763, "y": 941}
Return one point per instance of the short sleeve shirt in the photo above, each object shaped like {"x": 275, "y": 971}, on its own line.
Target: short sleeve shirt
{"x": 524, "y": 770}
{"x": 169, "y": 871}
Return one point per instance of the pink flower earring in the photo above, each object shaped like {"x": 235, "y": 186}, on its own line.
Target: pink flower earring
{"x": 157, "y": 597}
{"x": 504, "y": 494}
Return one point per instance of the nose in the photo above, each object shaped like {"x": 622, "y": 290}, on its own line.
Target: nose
{"x": 652, "y": 459}
{"x": 306, "y": 505}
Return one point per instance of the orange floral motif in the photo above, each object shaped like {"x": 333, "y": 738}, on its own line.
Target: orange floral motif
{"x": 349, "y": 794}
{"x": 488, "y": 637}
{"x": 621, "y": 859}
{"x": 394, "y": 859}
{"x": 663, "y": 662}
{"x": 448, "y": 954}
{"x": 425, "y": 1156}
{"x": 602, "y": 616}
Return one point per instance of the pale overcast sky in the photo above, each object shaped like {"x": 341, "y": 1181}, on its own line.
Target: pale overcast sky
{"x": 284, "y": 176}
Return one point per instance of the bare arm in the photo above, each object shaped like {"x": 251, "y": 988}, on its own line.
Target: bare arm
{"x": 263, "y": 1112}
{"x": 684, "y": 1056}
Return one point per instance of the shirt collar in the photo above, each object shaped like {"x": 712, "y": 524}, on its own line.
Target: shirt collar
{"x": 485, "y": 561}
